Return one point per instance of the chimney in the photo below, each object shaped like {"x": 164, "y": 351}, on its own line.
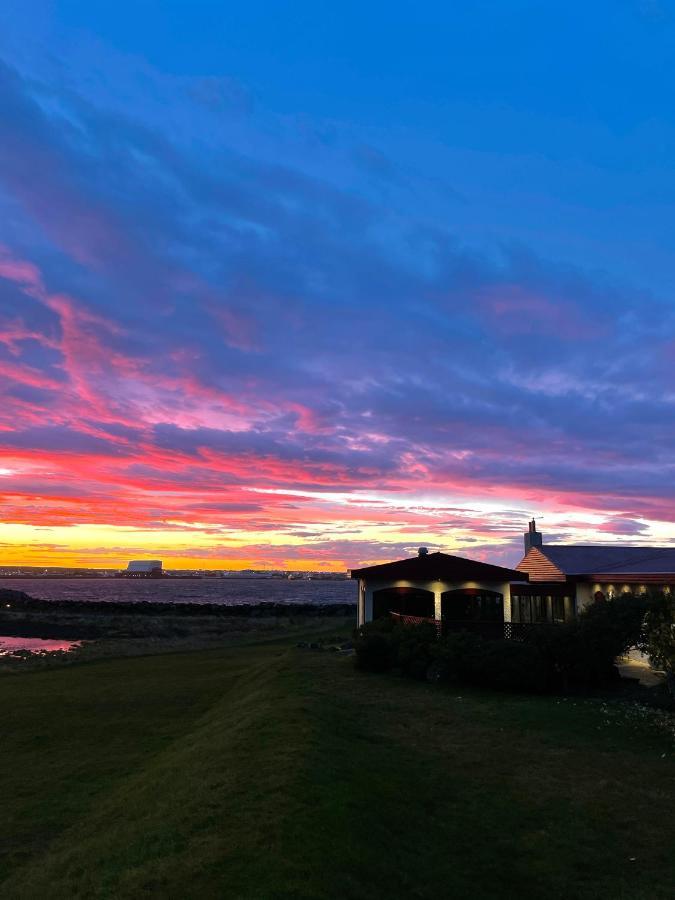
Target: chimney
{"x": 532, "y": 537}
{"x": 422, "y": 551}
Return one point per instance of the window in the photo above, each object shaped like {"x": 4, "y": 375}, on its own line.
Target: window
{"x": 524, "y": 609}
{"x": 406, "y": 601}
{"x": 472, "y": 605}
{"x": 558, "y": 609}
{"x": 539, "y": 609}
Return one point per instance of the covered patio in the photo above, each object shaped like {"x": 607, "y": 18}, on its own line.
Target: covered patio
{"x": 438, "y": 587}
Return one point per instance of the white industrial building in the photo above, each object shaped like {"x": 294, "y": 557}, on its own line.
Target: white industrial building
{"x": 144, "y": 568}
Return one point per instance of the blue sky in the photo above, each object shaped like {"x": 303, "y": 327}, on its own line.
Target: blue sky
{"x": 404, "y": 271}
{"x": 548, "y": 124}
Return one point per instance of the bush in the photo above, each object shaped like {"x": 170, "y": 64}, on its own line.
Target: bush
{"x": 501, "y": 665}
{"x": 373, "y": 652}
{"x": 581, "y": 654}
{"x": 385, "y": 644}
{"x": 659, "y": 636}
{"x": 455, "y": 655}
{"x": 511, "y": 666}
{"x": 465, "y": 658}
{"x": 577, "y": 656}
{"x": 414, "y": 648}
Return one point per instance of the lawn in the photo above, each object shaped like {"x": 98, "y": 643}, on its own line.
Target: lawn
{"x": 267, "y": 771}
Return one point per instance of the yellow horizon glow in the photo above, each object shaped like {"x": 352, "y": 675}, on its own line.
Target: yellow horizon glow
{"x": 199, "y": 545}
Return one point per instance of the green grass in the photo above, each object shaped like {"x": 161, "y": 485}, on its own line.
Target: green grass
{"x": 270, "y": 772}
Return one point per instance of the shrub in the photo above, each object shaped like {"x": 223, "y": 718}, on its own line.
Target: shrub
{"x": 501, "y": 665}
{"x": 581, "y": 653}
{"x": 511, "y": 666}
{"x": 659, "y": 636}
{"x": 613, "y": 626}
{"x": 460, "y": 657}
{"x": 455, "y": 655}
{"x": 373, "y": 651}
{"x": 384, "y": 644}
{"x": 413, "y": 648}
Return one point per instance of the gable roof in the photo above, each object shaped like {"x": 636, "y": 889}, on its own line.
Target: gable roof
{"x": 553, "y": 562}
{"x": 438, "y": 566}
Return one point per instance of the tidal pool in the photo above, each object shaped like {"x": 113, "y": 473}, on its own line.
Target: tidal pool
{"x": 10, "y": 646}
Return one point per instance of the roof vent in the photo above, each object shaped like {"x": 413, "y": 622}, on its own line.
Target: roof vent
{"x": 422, "y": 551}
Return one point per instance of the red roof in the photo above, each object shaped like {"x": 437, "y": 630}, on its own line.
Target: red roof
{"x": 555, "y": 562}
{"x": 438, "y": 566}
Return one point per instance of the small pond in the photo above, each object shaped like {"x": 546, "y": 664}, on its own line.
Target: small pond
{"x": 12, "y": 646}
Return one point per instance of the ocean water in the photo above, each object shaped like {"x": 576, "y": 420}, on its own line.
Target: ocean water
{"x": 228, "y": 591}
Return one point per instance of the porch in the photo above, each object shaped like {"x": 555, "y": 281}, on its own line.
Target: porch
{"x": 515, "y": 631}
{"x": 447, "y": 604}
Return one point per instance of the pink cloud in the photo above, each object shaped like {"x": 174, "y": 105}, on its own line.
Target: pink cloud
{"x": 516, "y": 310}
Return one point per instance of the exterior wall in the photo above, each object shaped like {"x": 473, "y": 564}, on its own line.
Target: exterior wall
{"x": 618, "y": 586}
{"x": 360, "y": 603}
{"x": 507, "y": 602}
{"x": 437, "y": 588}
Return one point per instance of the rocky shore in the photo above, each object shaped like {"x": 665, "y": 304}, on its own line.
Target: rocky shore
{"x": 21, "y": 614}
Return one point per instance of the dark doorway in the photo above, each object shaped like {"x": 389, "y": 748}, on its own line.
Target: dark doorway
{"x": 404, "y": 600}
{"x": 472, "y": 605}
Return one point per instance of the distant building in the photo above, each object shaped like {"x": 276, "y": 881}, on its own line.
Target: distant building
{"x": 144, "y": 568}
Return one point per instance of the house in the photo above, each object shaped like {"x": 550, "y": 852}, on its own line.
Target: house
{"x": 436, "y": 586}
{"x": 564, "y": 578}
{"x": 549, "y": 585}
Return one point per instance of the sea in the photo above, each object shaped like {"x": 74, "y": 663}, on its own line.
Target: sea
{"x": 228, "y": 591}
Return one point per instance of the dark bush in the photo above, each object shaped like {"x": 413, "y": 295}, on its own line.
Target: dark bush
{"x": 581, "y": 654}
{"x": 414, "y": 648}
{"x": 610, "y": 627}
{"x": 577, "y": 656}
{"x": 385, "y": 644}
{"x": 463, "y": 658}
{"x": 509, "y": 666}
{"x": 455, "y": 655}
{"x": 501, "y": 665}
{"x": 373, "y": 651}
{"x": 374, "y": 645}
{"x": 659, "y": 636}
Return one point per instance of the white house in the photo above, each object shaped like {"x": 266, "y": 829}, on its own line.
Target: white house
{"x": 436, "y": 586}
{"x": 550, "y": 584}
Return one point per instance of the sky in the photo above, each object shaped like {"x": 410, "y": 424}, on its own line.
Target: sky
{"x": 300, "y": 285}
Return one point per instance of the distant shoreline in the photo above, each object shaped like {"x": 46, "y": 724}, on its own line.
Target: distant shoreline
{"x": 93, "y": 577}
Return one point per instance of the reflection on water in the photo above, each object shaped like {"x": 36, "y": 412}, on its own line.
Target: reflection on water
{"x": 10, "y": 646}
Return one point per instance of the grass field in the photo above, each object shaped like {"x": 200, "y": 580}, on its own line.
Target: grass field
{"x": 266, "y": 771}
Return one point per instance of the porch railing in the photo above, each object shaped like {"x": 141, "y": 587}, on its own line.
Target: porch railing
{"x": 416, "y": 620}
{"x": 511, "y": 631}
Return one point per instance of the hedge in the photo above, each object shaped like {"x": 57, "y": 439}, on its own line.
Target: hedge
{"x": 577, "y": 656}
